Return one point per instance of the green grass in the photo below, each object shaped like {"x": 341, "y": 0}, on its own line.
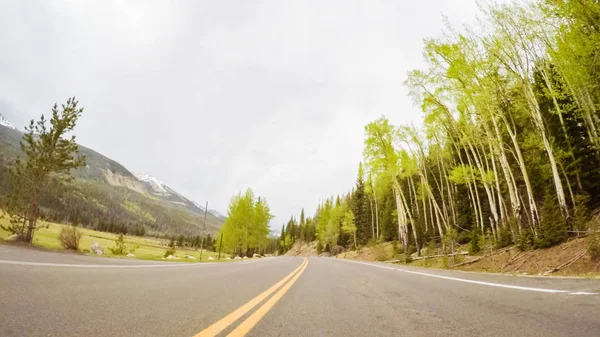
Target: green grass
{"x": 149, "y": 248}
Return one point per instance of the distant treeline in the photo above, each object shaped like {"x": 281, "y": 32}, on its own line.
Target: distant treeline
{"x": 113, "y": 209}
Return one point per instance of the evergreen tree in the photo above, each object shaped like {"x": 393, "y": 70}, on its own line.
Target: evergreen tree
{"x": 48, "y": 154}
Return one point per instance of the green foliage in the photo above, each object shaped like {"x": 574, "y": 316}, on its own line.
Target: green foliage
{"x": 475, "y": 246}
{"x": 504, "y": 238}
{"x": 594, "y": 247}
{"x": 49, "y": 153}
{"x": 246, "y": 229}
{"x": 581, "y": 215}
{"x": 70, "y": 237}
{"x": 120, "y": 248}
{"x": 526, "y": 240}
{"x": 553, "y": 227}
{"x": 348, "y": 225}
{"x": 319, "y": 247}
{"x": 171, "y": 250}
{"x": 464, "y": 237}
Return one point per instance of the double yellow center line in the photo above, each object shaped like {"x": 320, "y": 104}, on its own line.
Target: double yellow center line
{"x": 251, "y": 321}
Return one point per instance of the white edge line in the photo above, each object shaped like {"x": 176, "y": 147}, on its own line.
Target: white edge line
{"x": 117, "y": 266}
{"x": 500, "y": 285}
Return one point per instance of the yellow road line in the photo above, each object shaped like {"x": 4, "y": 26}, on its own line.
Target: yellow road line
{"x": 251, "y": 321}
{"x": 226, "y": 321}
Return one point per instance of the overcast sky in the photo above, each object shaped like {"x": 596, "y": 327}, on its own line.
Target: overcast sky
{"x": 212, "y": 97}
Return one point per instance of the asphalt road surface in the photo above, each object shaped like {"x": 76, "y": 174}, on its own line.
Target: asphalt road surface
{"x": 52, "y": 294}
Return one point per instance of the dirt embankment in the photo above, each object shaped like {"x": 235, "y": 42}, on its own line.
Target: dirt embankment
{"x": 567, "y": 259}
{"x": 303, "y": 249}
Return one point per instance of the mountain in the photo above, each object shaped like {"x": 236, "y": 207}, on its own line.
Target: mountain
{"x": 107, "y": 196}
{"x": 6, "y": 123}
{"x": 159, "y": 188}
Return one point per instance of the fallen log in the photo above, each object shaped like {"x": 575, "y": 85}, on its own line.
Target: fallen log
{"x": 568, "y": 263}
{"x": 525, "y": 260}
{"x": 469, "y": 262}
{"x": 440, "y": 255}
{"x": 512, "y": 259}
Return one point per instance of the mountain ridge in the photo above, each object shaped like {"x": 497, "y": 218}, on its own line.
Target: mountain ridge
{"x": 105, "y": 191}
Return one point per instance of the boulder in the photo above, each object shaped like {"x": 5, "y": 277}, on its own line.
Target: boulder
{"x": 227, "y": 258}
{"x": 256, "y": 255}
{"x": 171, "y": 257}
{"x": 210, "y": 258}
{"x": 190, "y": 257}
{"x": 13, "y": 237}
{"x": 130, "y": 255}
{"x": 237, "y": 258}
{"x": 96, "y": 249}
{"x": 245, "y": 257}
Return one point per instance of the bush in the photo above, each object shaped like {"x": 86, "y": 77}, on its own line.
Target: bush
{"x": 553, "y": 227}
{"x": 504, "y": 238}
{"x": 319, "y": 247}
{"x": 70, "y": 237}
{"x": 119, "y": 248}
{"x": 397, "y": 249}
{"x": 525, "y": 240}
{"x": 594, "y": 248}
{"x": 464, "y": 237}
{"x": 431, "y": 248}
{"x": 171, "y": 250}
{"x": 580, "y": 220}
{"x": 475, "y": 242}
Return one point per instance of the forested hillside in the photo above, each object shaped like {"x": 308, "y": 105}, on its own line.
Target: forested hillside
{"x": 509, "y": 146}
{"x": 106, "y": 196}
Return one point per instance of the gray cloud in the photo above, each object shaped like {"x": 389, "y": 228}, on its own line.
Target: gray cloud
{"x": 213, "y": 97}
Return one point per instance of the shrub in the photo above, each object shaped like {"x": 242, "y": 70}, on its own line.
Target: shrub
{"x": 431, "y": 248}
{"x": 594, "y": 248}
{"x": 397, "y": 249}
{"x": 171, "y": 250}
{"x": 525, "y": 240}
{"x": 319, "y": 247}
{"x": 504, "y": 238}
{"x": 70, "y": 237}
{"x": 119, "y": 248}
{"x": 581, "y": 214}
{"x": 463, "y": 237}
{"x": 475, "y": 242}
{"x": 553, "y": 227}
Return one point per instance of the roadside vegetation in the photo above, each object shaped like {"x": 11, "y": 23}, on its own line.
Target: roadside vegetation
{"x": 508, "y": 153}
{"x": 48, "y": 235}
{"x": 246, "y": 231}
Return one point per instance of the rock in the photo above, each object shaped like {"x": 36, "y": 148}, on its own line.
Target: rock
{"x": 256, "y": 255}
{"x": 13, "y": 237}
{"x": 96, "y": 249}
{"x": 237, "y": 258}
{"x": 130, "y": 255}
{"x": 245, "y": 257}
{"x": 210, "y": 258}
{"x": 190, "y": 257}
{"x": 227, "y": 258}
{"x": 171, "y": 257}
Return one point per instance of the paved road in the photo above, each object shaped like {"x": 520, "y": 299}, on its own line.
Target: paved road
{"x": 86, "y": 296}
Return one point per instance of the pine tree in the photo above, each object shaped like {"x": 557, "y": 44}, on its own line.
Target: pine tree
{"x": 360, "y": 208}
{"x": 48, "y": 155}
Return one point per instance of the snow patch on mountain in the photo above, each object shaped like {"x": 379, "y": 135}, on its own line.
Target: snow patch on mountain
{"x": 160, "y": 187}
{"x": 157, "y": 185}
{"x": 5, "y": 122}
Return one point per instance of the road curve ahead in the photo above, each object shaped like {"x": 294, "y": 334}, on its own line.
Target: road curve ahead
{"x": 67, "y": 295}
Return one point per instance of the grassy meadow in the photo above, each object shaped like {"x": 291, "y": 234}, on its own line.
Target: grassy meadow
{"x": 47, "y": 236}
